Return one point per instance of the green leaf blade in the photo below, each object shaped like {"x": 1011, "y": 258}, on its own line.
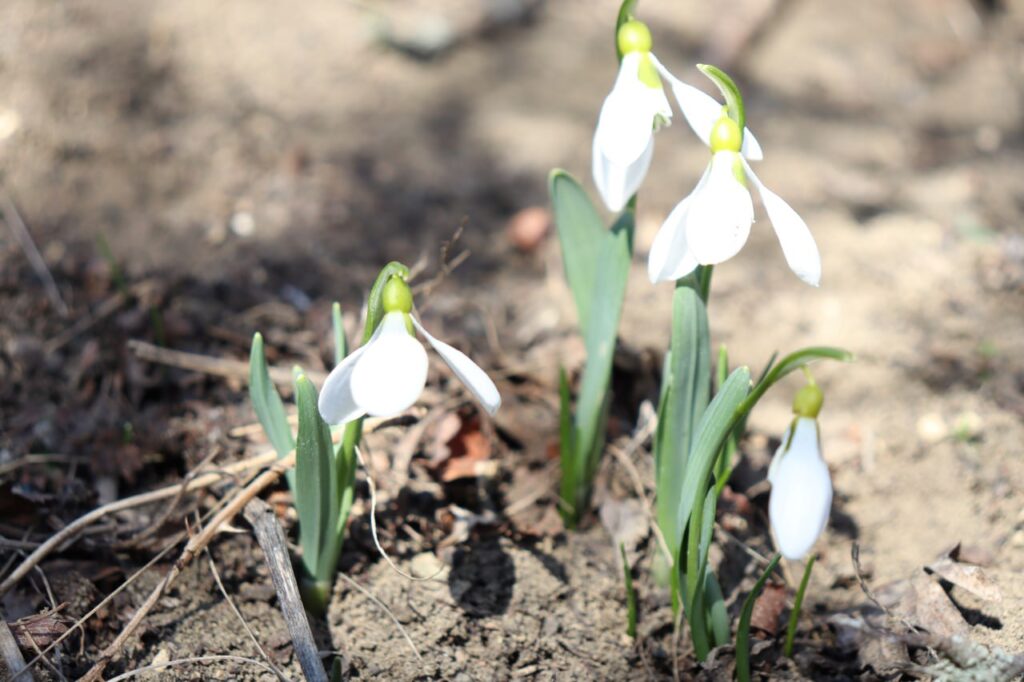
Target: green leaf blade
{"x": 267, "y": 404}
{"x": 689, "y": 367}
{"x": 715, "y": 425}
{"x": 580, "y": 233}
{"x": 316, "y": 499}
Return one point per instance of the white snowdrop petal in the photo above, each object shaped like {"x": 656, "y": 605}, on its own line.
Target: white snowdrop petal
{"x": 336, "y": 403}
{"x": 702, "y": 111}
{"x": 468, "y": 372}
{"x": 795, "y": 237}
{"x": 670, "y": 257}
{"x": 720, "y": 214}
{"x": 801, "y": 496}
{"x": 392, "y": 371}
{"x": 751, "y": 148}
{"x": 625, "y": 124}
{"x": 617, "y": 182}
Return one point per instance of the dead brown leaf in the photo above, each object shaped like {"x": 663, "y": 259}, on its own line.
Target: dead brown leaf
{"x": 928, "y": 606}
{"x": 469, "y": 451}
{"x": 972, "y": 578}
{"x": 768, "y": 608}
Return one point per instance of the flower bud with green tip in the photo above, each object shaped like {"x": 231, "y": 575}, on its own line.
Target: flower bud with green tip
{"x": 801, "y": 496}
{"x": 634, "y": 109}
{"x": 385, "y": 376}
{"x": 712, "y": 224}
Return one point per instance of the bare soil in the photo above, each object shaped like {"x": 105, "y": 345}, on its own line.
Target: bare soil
{"x": 246, "y": 163}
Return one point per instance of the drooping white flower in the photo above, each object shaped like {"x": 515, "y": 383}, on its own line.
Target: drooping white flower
{"x": 386, "y": 375}
{"x": 801, "y": 496}
{"x": 634, "y": 109}
{"x": 712, "y": 224}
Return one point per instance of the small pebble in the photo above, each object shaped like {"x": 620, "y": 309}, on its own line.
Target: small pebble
{"x": 528, "y": 227}
{"x": 931, "y": 428}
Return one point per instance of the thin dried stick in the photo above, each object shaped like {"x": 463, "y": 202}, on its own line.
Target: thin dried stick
{"x": 185, "y": 661}
{"x": 105, "y": 309}
{"x": 178, "y": 537}
{"x": 238, "y": 614}
{"x": 157, "y": 523}
{"x": 35, "y": 259}
{"x": 71, "y": 530}
{"x": 271, "y": 538}
{"x": 11, "y": 654}
{"x": 195, "y": 544}
{"x": 206, "y": 364}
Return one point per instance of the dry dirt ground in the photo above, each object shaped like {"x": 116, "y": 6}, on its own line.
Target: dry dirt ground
{"x": 245, "y": 162}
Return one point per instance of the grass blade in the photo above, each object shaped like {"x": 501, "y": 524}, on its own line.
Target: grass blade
{"x": 798, "y": 602}
{"x": 340, "y": 342}
{"x": 743, "y": 630}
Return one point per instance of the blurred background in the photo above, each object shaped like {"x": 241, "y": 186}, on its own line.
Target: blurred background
{"x": 236, "y": 165}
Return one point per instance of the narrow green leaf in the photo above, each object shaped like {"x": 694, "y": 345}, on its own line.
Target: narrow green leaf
{"x": 798, "y": 602}
{"x": 374, "y": 309}
{"x": 661, "y": 431}
{"x": 689, "y": 378}
{"x": 716, "y": 423}
{"x": 599, "y": 335}
{"x": 723, "y": 465}
{"x": 340, "y": 342}
{"x": 580, "y": 233}
{"x": 718, "y": 615}
{"x": 266, "y": 402}
{"x": 743, "y": 630}
{"x": 730, "y": 91}
{"x": 630, "y": 594}
{"x": 316, "y": 499}
{"x": 567, "y": 449}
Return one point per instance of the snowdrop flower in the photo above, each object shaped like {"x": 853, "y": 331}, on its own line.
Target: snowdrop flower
{"x": 801, "y": 485}
{"x": 387, "y": 374}
{"x": 633, "y": 110}
{"x": 712, "y": 224}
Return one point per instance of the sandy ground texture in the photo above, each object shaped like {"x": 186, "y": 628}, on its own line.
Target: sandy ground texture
{"x": 246, "y": 162}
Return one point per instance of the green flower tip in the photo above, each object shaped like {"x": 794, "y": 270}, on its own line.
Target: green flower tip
{"x": 396, "y": 297}
{"x": 634, "y": 36}
{"x": 808, "y": 400}
{"x": 726, "y": 135}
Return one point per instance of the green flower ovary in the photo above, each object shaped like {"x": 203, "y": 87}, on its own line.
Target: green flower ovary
{"x": 396, "y": 297}
{"x": 726, "y": 136}
{"x": 634, "y": 36}
{"x": 808, "y": 401}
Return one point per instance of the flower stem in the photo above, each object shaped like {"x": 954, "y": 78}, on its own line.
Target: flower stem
{"x": 794, "y": 615}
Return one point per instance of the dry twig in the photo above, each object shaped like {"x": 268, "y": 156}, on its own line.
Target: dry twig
{"x": 73, "y": 529}
{"x": 271, "y": 538}
{"x": 195, "y": 545}
{"x": 35, "y": 259}
{"x": 222, "y": 367}
{"x": 11, "y": 654}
